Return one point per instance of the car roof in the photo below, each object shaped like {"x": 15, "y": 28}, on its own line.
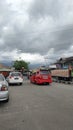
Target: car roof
{"x": 15, "y": 72}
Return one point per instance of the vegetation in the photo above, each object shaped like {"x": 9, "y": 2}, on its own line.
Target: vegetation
{"x": 20, "y": 65}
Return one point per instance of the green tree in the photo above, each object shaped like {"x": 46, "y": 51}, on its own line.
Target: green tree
{"x": 20, "y": 64}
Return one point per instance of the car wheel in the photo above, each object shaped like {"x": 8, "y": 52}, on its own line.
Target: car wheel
{"x": 9, "y": 84}
{"x": 20, "y": 83}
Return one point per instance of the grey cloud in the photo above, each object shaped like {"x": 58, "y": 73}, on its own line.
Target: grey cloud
{"x": 27, "y": 42}
{"x": 44, "y": 8}
{"x": 5, "y": 13}
{"x": 26, "y": 38}
{"x": 64, "y": 38}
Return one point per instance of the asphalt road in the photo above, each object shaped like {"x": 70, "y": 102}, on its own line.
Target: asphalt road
{"x": 38, "y": 107}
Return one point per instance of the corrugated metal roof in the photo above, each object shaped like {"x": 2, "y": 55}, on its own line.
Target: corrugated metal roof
{"x": 5, "y": 69}
{"x": 64, "y": 60}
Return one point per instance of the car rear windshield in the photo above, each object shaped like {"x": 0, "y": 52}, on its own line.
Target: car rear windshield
{"x": 16, "y": 74}
{"x": 44, "y": 72}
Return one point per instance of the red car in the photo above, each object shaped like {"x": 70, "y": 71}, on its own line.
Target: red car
{"x": 41, "y": 77}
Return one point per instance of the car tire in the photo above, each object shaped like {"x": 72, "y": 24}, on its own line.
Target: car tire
{"x": 20, "y": 83}
{"x": 9, "y": 84}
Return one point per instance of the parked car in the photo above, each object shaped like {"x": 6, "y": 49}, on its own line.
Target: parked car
{"x": 15, "y": 78}
{"x": 41, "y": 76}
{"x": 4, "y": 92}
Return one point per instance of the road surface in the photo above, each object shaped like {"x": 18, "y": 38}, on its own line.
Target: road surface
{"x": 38, "y": 107}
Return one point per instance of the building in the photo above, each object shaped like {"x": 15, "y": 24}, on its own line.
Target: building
{"x": 5, "y": 70}
{"x": 64, "y": 62}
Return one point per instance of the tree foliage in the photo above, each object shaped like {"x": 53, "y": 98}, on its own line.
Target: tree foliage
{"x": 18, "y": 65}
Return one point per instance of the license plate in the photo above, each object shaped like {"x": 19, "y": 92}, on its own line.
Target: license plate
{"x": 16, "y": 78}
{"x": 45, "y": 77}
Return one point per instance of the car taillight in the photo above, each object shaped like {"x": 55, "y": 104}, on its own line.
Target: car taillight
{"x": 21, "y": 76}
{"x": 4, "y": 88}
{"x": 49, "y": 76}
{"x": 10, "y": 77}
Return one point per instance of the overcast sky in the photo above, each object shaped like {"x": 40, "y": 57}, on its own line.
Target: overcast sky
{"x": 36, "y": 30}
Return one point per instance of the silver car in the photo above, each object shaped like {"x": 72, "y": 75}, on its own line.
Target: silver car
{"x": 4, "y": 92}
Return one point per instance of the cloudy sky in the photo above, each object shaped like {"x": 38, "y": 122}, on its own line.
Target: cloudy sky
{"x": 36, "y": 30}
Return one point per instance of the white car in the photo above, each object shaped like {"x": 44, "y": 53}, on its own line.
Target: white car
{"x": 15, "y": 78}
{"x": 4, "y": 92}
